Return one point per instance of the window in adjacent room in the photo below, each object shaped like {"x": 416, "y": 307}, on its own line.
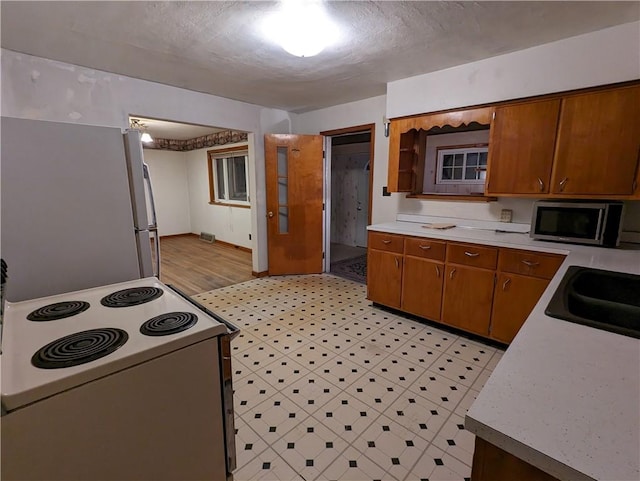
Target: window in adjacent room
{"x": 228, "y": 182}
{"x": 462, "y": 165}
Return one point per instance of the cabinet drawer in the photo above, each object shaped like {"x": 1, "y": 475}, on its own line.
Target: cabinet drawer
{"x": 472, "y": 255}
{"x": 386, "y": 242}
{"x": 529, "y": 263}
{"x": 427, "y": 248}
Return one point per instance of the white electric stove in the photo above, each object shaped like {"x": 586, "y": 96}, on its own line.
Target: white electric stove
{"x": 98, "y": 383}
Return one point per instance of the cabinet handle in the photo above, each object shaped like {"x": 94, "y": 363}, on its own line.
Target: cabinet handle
{"x": 425, "y": 248}
{"x": 451, "y": 273}
{"x": 562, "y": 183}
{"x": 530, "y": 264}
{"x": 471, "y": 254}
{"x": 505, "y": 284}
{"x": 397, "y": 263}
{"x": 541, "y": 184}
{"x": 437, "y": 271}
{"x": 386, "y": 242}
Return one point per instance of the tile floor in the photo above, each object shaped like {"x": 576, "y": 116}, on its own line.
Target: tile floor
{"x": 328, "y": 387}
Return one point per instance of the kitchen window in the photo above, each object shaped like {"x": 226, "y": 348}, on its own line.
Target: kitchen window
{"x": 228, "y": 182}
{"x": 466, "y": 165}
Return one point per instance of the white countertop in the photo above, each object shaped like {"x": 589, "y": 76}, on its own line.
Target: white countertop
{"x": 565, "y": 397}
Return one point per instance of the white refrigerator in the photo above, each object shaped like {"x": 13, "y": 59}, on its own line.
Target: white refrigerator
{"x": 74, "y": 206}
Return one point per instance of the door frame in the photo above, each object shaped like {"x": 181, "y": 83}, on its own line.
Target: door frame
{"x": 328, "y": 134}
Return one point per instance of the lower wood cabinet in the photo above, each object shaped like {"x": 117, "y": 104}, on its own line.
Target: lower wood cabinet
{"x": 491, "y": 463}
{"x": 480, "y": 289}
{"x": 468, "y": 293}
{"x": 384, "y": 277}
{"x": 514, "y": 299}
{"x": 422, "y": 281}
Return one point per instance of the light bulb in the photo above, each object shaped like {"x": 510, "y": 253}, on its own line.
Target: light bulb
{"x": 146, "y": 138}
{"x": 301, "y": 28}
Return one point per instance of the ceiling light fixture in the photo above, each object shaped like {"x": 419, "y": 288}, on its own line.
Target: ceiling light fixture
{"x": 301, "y": 27}
{"x": 137, "y": 125}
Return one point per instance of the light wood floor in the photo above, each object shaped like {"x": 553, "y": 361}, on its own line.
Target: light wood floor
{"x": 194, "y": 266}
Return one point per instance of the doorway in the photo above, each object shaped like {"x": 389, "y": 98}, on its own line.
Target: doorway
{"x": 349, "y": 176}
{"x": 200, "y": 189}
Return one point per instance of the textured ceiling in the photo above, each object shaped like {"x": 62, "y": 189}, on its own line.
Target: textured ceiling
{"x": 217, "y": 47}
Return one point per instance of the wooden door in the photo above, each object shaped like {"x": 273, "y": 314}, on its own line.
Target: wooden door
{"x": 294, "y": 173}
{"x": 466, "y": 302}
{"x": 384, "y": 277}
{"x": 422, "y": 282}
{"x": 521, "y": 145}
{"x": 598, "y": 143}
{"x": 514, "y": 298}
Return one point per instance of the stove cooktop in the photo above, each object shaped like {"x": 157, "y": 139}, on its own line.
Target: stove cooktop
{"x": 38, "y": 357}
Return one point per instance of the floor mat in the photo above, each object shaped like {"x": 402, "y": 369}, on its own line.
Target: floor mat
{"x": 354, "y": 269}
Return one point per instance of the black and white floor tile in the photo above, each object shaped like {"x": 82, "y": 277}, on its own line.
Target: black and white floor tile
{"x": 328, "y": 387}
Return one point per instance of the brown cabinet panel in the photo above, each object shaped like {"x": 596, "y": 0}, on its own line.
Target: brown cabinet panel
{"x": 384, "y": 277}
{"x": 422, "y": 282}
{"x": 468, "y": 293}
{"x": 490, "y": 463}
{"x": 427, "y": 248}
{"x": 386, "y": 242}
{"x": 598, "y": 143}
{"x": 521, "y": 145}
{"x": 514, "y": 298}
{"x": 472, "y": 255}
{"x": 529, "y": 263}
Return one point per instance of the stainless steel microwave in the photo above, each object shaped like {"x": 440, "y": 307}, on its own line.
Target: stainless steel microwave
{"x": 578, "y": 222}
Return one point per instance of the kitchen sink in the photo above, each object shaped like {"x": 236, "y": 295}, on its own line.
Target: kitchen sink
{"x": 597, "y": 298}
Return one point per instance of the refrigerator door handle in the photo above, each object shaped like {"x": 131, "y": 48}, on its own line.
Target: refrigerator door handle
{"x": 153, "y": 226}
{"x": 152, "y": 202}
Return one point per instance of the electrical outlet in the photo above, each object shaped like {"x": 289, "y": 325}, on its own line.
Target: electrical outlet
{"x": 506, "y": 215}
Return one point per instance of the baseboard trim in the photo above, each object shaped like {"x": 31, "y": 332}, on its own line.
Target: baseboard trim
{"x": 228, "y": 244}
{"x": 260, "y": 274}
{"x": 186, "y": 234}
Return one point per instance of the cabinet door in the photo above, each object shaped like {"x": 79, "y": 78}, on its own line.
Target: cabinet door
{"x": 598, "y": 143}
{"x": 515, "y": 297}
{"x": 422, "y": 287}
{"x": 384, "y": 277}
{"x": 466, "y": 302}
{"x": 521, "y": 146}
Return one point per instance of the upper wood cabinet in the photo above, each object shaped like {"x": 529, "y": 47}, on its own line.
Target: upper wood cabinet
{"x": 583, "y": 144}
{"x": 521, "y": 145}
{"x": 408, "y": 140}
{"x": 598, "y": 143}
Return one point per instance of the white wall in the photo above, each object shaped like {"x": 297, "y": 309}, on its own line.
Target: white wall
{"x": 606, "y": 56}
{"x": 228, "y": 224}
{"x": 44, "y": 89}
{"x": 168, "y": 172}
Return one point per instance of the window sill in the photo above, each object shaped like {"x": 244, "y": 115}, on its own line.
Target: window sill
{"x": 231, "y": 204}
{"x": 454, "y": 197}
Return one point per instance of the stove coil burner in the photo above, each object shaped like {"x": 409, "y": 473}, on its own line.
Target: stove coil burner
{"x": 131, "y": 297}
{"x": 79, "y": 348}
{"x": 169, "y": 323}
{"x": 59, "y": 310}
